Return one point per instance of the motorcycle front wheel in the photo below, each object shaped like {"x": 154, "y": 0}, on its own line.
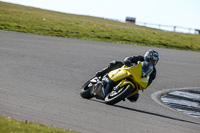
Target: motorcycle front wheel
{"x": 115, "y": 96}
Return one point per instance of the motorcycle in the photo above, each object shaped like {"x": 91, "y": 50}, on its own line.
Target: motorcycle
{"x": 118, "y": 84}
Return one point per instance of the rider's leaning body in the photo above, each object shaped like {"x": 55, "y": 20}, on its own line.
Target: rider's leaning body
{"x": 151, "y": 56}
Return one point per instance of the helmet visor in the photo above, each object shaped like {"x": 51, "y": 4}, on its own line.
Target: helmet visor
{"x": 153, "y": 60}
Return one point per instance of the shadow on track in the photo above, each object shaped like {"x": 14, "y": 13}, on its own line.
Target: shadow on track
{"x": 155, "y": 114}
{"x": 146, "y": 112}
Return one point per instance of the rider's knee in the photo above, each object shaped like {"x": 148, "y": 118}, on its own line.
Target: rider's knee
{"x": 133, "y": 98}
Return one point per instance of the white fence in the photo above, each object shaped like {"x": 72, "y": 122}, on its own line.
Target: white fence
{"x": 170, "y": 28}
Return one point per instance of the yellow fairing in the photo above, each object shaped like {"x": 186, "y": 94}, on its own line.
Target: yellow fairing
{"x": 119, "y": 74}
{"x": 125, "y": 82}
{"x": 134, "y": 72}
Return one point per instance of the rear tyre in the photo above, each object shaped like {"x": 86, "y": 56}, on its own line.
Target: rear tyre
{"x": 115, "y": 96}
{"x": 85, "y": 91}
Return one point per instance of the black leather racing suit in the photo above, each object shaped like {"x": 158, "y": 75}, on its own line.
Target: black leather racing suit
{"x": 127, "y": 61}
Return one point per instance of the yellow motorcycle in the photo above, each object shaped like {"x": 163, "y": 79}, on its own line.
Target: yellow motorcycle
{"x": 118, "y": 84}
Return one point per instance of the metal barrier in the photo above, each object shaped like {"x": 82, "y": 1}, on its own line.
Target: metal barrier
{"x": 170, "y": 28}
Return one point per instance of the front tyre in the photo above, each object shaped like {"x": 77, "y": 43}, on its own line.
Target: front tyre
{"x": 115, "y": 96}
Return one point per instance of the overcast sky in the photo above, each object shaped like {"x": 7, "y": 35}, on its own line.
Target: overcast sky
{"x": 183, "y": 13}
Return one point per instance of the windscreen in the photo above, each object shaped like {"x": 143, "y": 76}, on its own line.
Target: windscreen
{"x": 147, "y": 68}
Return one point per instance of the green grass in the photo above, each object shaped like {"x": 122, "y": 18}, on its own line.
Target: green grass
{"x": 8, "y": 125}
{"x": 33, "y": 20}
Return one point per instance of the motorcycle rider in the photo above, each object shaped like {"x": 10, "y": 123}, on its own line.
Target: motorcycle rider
{"x": 151, "y": 56}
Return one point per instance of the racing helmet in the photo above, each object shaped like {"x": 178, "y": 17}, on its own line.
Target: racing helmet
{"x": 152, "y": 55}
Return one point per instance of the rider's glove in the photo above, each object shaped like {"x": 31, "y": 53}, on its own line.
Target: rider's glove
{"x": 144, "y": 75}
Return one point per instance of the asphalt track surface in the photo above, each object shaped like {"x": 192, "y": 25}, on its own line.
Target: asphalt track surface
{"x": 41, "y": 77}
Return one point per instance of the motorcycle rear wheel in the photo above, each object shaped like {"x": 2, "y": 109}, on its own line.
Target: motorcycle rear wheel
{"x": 114, "y": 97}
{"x": 85, "y": 91}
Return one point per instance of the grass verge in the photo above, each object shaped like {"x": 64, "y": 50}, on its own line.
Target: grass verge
{"x": 33, "y": 20}
{"x": 8, "y": 125}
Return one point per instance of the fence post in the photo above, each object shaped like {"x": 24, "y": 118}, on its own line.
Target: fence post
{"x": 174, "y": 28}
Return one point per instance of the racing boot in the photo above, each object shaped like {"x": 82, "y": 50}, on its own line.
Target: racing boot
{"x": 102, "y": 72}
